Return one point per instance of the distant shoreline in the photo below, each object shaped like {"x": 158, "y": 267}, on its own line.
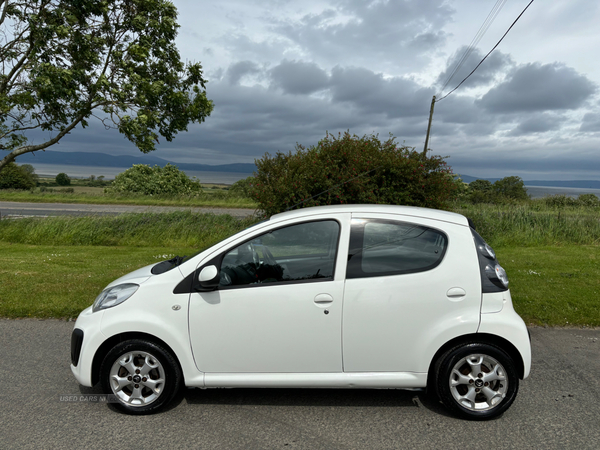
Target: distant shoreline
{"x": 51, "y": 170}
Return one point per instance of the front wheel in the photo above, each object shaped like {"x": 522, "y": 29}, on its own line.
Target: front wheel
{"x": 141, "y": 375}
{"x": 477, "y": 381}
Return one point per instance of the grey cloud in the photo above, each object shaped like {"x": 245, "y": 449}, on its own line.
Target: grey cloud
{"x": 539, "y": 123}
{"x": 536, "y": 87}
{"x": 371, "y": 92}
{"x": 590, "y": 123}
{"x": 297, "y": 77}
{"x": 386, "y": 33}
{"x": 236, "y": 71}
{"x": 496, "y": 63}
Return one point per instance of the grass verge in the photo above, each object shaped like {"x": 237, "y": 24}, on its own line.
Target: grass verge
{"x": 553, "y": 286}
{"x": 59, "y": 281}
{"x": 210, "y": 198}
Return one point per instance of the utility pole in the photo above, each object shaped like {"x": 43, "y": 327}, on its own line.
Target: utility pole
{"x": 429, "y": 126}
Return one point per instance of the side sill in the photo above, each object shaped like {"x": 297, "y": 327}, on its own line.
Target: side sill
{"x": 382, "y": 380}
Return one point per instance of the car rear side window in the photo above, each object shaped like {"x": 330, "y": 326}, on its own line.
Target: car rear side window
{"x": 382, "y": 247}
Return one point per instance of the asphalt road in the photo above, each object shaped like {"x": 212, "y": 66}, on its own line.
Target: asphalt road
{"x": 21, "y": 209}
{"x": 558, "y": 406}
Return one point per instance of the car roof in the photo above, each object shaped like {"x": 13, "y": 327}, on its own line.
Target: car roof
{"x": 413, "y": 211}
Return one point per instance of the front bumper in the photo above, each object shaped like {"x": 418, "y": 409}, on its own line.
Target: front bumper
{"x": 85, "y": 341}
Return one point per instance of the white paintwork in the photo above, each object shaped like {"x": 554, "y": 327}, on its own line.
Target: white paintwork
{"x": 508, "y": 324}
{"x": 318, "y": 380}
{"x": 379, "y": 332}
{"x": 271, "y": 328}
{"x": 389, "y": 322}
{"x": 208, "y": 273}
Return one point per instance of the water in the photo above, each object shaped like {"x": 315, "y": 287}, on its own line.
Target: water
{"x": 543, "y": 191}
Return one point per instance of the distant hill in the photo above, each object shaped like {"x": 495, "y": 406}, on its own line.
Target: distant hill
{"x": 581, "y": 184}
{"x": 124, "y": 161}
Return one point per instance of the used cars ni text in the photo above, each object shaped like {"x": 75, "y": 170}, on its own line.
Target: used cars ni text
{"x": 346, "y": 296}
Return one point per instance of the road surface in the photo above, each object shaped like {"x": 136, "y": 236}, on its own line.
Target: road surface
{"x": 558, "y": 406}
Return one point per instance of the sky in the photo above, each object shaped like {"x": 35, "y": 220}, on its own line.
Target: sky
{"x": 282, "y": 72}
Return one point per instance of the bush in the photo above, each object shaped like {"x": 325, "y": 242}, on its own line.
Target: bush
{"x": 562, "y": 200}
{"x": 13, "y": 176}
{"x": 351, "y": 169}
{"x": 62, "y": 179}
{"x": 242, "y": 188}
{"x": 590, "y": 200}
{"x": 146, "y": 180}
{"x": 506, "y": 190}
{"x": 512, "y": 188}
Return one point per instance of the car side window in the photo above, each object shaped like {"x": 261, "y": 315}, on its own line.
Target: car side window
{"x": 379, "y": 248}
{"x": 305, "y": 251}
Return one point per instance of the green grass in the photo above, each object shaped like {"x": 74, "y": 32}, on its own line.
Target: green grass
{"x": 176, "y": 229}
{"x": 533, "y": 224}
{"x": 554, "y": 286}
{"x": 59, "y": 281}
{"x": 552, "y": 257}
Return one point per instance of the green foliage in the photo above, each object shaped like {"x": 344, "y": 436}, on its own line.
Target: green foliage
{"x": 511, "y": 187}
{"x": 65, "y": 62}
{"x": 179, "y": 229}
{"x": 506, "y": 190}
{"x": 146, "y": 180}
{"x": 351, "y": 169}
{"x": 533, "y": 223}
{"x": 62, "y": 179}
{"x": 13, "y": 176}
{"x": 243, "y": 188}
{"x": 561, "y": 201}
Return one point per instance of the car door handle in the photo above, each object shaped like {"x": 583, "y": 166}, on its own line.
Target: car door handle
{"x": 323, "y": 299}
{"x": 455, "y": 293}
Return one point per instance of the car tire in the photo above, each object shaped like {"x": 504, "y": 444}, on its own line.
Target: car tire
{"x": 140, "y": 376}
{"x": 477, "y": 381}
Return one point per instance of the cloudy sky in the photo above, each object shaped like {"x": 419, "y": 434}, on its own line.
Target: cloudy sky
{"x": 283, "y": 72}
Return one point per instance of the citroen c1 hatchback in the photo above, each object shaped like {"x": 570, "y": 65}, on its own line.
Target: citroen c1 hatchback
{"x": 347, "y": 296}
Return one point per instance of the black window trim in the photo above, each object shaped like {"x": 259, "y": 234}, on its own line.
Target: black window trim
{"x": 355, "y": 250}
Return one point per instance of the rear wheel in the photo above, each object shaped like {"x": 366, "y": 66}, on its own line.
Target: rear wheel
{"x": 477, "y": 381}
{"x": 142, "y": 376}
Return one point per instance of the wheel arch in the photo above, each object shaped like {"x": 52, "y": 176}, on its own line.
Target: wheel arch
{"x": 122, "y": 337}
{"x": 482, "y": 338}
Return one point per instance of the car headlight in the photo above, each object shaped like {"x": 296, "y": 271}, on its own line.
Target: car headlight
{"x": 114, "y": 296}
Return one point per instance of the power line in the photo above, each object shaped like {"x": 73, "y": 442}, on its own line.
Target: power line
{"x": 482, "y": 30}
{"x": 488, "y": 54}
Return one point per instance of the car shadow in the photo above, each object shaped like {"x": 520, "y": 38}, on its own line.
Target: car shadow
{"x": 376, "y": 398}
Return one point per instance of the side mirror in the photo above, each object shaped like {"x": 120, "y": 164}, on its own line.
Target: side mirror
{"x": 209, "y": 278}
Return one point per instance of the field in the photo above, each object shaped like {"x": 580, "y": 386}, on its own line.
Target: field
{"x": 213, "y": 195}
{"x": 552, "y": 256}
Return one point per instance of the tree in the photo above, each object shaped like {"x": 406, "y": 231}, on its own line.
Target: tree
{"x": 16, "y": 177}
{"x": 481, "y": 185}
{"x": 65, "y": 62}
{"x": 146, "y": 180}
{"x": 511, "y": 187}
{"x": 351, "y": 169}
{"x": 62, "y": 179}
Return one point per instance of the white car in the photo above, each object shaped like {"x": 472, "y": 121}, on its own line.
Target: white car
{"x": 346, "y": 296}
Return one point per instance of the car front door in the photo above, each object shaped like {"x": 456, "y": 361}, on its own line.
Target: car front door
{"x": 278, "y": 308}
